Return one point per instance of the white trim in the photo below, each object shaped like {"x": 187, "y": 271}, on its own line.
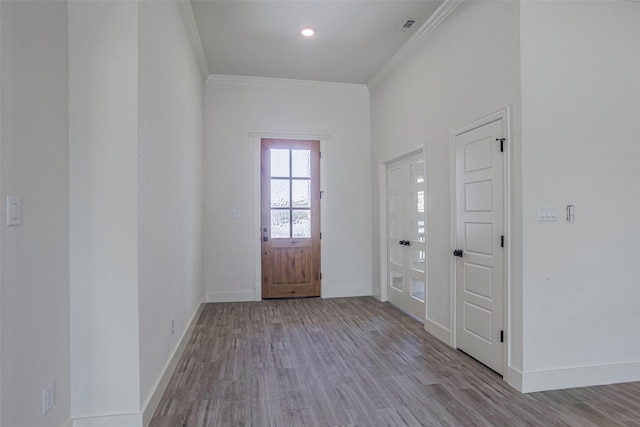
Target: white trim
{"x": 282, "y": 83}
{"x": 382, "y": 230}
{"x": 113, "y": 420}
{"x": 68, "y": 423}
{"x": 515, "y": 378}
{"x": 290, "y": 135}
{"x": 580, "y": 376}
{"x": 192, "y": 29}
{"x": 343, "y": 292}
{"x": 150, "y": 406}
{"x": 438, "y": 331}
{"x": 505, "y": 115}
{"x": 323, "y": 209}
{"x": 410, "y": 45}
{"x": 230, "y": 296}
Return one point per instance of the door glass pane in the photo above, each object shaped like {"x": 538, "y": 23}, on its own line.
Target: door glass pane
{"x": 417, "y": 289}
{"x": 301, "y": 223}
{"x": 417, "y": 172}
{"x": 418, "y": 230}
{"x": 301, "y": 163}
{"x": 301, "y": 189}
{"x": 280, "y": 193}
{"x": 418, "y": 260}
{"x": 418, "y": 199}
{"x": 279, "y": 162}
{"x": 396, "y": 281}
{"x": 280, "y": 224}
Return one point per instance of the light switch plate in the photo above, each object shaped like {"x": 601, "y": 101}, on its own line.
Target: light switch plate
{"x": 547, "y": 213}
{"x": 14, "y": 211}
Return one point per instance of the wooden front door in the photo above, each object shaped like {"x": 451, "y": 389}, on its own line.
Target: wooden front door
{"x": 290, "y": 188}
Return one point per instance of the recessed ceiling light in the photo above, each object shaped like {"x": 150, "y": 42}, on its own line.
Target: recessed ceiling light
{"x": 307, "y": 32}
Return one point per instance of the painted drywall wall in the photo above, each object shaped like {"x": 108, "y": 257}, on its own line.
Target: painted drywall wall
{"x": 236, "y": 106}
{"x": 35, "y": 255}
{"x": 467, "y": 68}
{"x": 170, "y": 159}
{"x": 103, "y": 132}
{"x": 580, "y": 131}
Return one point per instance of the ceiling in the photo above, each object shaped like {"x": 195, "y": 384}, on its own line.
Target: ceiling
{"x": 353, "y": 40}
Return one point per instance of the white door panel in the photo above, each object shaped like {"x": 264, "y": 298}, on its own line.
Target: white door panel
{"x": 479, "y": 226}
{"x": 406, "y": 251}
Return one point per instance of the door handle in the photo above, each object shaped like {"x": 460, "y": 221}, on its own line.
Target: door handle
{"x": 405, "y": 242}
{"x": 457, "y": 252}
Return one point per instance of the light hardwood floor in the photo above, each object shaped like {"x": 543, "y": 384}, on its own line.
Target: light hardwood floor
{"x": 355, "y": 362}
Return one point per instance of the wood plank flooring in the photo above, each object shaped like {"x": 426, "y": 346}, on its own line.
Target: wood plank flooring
{"x": 355, "y": 362}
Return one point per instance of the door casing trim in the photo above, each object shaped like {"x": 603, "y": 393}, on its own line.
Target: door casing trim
{"x": 505, "y": 115}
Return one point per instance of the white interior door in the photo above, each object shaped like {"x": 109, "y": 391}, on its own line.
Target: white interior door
{"x": 406, "y": 242}
{"x": 479, "y": 233}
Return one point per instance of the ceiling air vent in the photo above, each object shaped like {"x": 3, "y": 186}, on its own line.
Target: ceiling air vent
{"x": 407, "y": 25}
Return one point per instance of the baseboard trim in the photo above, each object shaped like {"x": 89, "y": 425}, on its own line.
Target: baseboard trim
{"x": 514, "y": 378}
{"x": 119, "y": 420}
{"x": 438, "y": 331}
{"x": 235, "y": 296}
{"x": 68, "y": 423}
{"x": 354, "y": 291}
{"x": 159, "y": 388}
{"x": 580, "y": 376}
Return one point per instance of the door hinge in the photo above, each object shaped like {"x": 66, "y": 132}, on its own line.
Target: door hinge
{"x": 502, "y": 241}
{"x": 320, "y": 154}
{"x": 501, "y": 144}
{"x": 320, "y": 235}
{"x": 501, "y": 336}
{"x": 320, "y": 276}
{"x": 321, "y": 194}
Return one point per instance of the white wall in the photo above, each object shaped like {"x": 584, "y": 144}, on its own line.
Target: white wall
{"x": 35, "y": 256}
{"x": 580, "y": 132}
{"x": 170, "y": 157}
{"x": 467, "y": 68}
{"x": 236, "y": 106}
{"x": 136, "y": 142}
{"x": 103, "y": 109}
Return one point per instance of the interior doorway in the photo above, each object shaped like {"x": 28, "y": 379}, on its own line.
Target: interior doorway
{"x": 480, "y": 237}
{"x": 406, "y": 237}
{"x": 290, "y": 218}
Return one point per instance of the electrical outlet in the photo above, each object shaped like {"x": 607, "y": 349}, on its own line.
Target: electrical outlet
{"x": 173, "y": 326}
{"x": 48, "y": 397}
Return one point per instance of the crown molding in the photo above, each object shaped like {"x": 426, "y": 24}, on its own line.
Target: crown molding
{"x": 194, "y": 36}
{"x": 410, "y": 45}
{"x": 290, "y": 135}
{"x": 287, "y": 83}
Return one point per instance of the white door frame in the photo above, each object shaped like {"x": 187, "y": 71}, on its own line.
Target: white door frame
{"x": 504, "y": 114}
{"x": 256, "y": 138}
{"x": 382, "y": 211}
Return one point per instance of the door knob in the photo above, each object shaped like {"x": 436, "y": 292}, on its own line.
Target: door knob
{"x": 401, "y": 242}
{"x": 458, "y": 252}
